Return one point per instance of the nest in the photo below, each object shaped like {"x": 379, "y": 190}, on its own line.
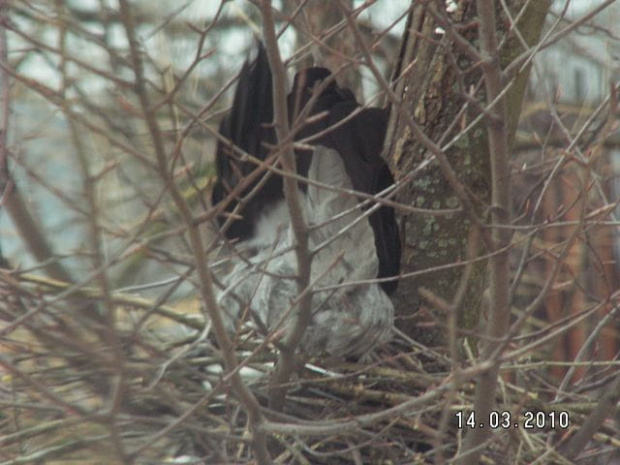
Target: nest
{"x": 73, "y": 390}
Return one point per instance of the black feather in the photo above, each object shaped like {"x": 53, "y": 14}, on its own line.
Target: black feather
{"x": 358, "y": 140}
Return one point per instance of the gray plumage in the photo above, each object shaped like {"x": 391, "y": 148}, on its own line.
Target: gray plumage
{"x": 347, "y": 320}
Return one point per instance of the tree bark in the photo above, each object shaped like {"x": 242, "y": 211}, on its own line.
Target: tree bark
{"x": 442, "y": 87}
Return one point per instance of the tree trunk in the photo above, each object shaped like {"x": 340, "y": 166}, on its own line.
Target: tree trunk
{"x": 439, "y": 79}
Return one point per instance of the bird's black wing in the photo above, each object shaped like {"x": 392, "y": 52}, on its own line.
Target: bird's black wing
{"x": 248, "y": 127}
{"x": 387, "y": 237}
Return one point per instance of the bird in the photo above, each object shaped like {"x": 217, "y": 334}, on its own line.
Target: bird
{"x": 337, "y": 143}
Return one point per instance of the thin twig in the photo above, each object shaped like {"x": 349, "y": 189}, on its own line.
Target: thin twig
{"x": 287, "y": 361}
{"x": 499, "y": 269}
{"x": 204, "y": 274}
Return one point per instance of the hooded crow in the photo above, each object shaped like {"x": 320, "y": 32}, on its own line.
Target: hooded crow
{"x": 338, "y": 143}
